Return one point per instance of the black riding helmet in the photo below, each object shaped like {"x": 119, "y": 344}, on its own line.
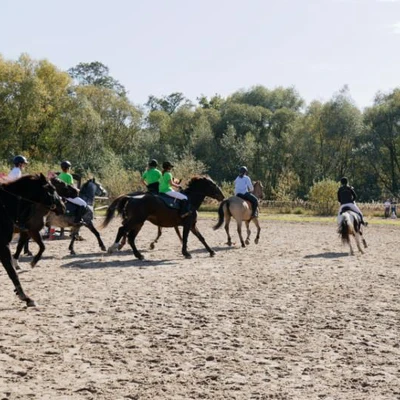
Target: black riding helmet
{"x": 153, "y": 163}
{"x": 65, "y": 164}
{"x": 19, "y": 160}
{"x": 243, "y": 170}
{"x": 167, "y": 164}
{"x": 344, "y": 181}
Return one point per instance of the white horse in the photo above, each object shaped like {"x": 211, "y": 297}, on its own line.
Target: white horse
{"x": 349, "y": 224}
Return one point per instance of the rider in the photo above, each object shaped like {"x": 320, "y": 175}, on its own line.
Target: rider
{"x": 166, "y": 186}
{"x": 346, "y": 197}
{"x": 19, "y": 164}
{"x": 243, "y": 189}
{"x": 151, "y": 177}
{"x": 66, "y": 177}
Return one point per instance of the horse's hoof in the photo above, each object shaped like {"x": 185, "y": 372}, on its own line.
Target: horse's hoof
{"x": 139, "y": 257}
{"x": 31, "y": 303}
{"x": 28, "y": 253}
{"x": 212, "y": 254}
{"x": 188, "y": 256}
{"x": 33, "y": 265}
{"x": 243, "y": 245}
{"x": 72, "y": 253}
{"x": 256, "y": 241}
{"x": 103, "y": 248}
{"x": 247, "y": 242}
{"x": 152, "y": 247}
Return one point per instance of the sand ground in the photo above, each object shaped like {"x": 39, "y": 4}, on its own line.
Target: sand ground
{"x": 293, "y": 317}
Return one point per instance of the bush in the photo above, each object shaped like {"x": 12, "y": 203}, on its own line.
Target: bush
{"x": 323, "y": 196}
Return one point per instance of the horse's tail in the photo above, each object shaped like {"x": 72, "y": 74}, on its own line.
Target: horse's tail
{"x": 117, "y": 205}
{"x": 221, "y": 214}
{"x": 344, "y": 227}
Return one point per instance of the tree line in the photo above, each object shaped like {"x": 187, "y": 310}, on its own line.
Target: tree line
{"x": 84, "y": 115}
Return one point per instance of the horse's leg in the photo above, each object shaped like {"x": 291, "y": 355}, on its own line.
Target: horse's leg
{"x": 357, "y": 237}
{"x": 257, "y": 224}
{"x": 199, "y": 236}
{"x": 239, "y": 231}
{"x": 96, "y": 233}
{"x": 74, "y": 233}
{"x": 26, "y": 248}
{"x": 351, "y": 247}
{"x": 178, "y": 233}
{"x": 121, "y": 234}
{"x": 186, "y": 229}
{"x": 37, "y": 237}
{"x": 159, "y": 233}
{"x": 131, "y": 239}
{"x": 226, "y": 226}
{"x": 248, "y": 232}
{"x": 23, "y": 239}
{"x": 5, "y": 258}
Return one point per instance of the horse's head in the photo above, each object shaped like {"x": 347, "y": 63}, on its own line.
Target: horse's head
{"x": 258, "y": 189}
{"x": 39, "y": 190}
{"x": 206, "y": 186}
{"x": 90, "y": 189}
{"x": 63, "y": 189}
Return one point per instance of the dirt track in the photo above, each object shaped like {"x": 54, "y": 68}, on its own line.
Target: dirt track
{"x": 291, "y": 318}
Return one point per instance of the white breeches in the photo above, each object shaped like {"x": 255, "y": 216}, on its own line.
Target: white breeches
{"x": 78, "y": 201}
{"x": 177, "y": 195}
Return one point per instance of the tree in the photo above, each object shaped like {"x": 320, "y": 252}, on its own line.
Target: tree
{"x": 169, "y": 104}
{"x": 96, "y": 74}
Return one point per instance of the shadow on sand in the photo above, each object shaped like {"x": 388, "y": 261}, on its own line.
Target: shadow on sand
{"x": 328, "y": 255}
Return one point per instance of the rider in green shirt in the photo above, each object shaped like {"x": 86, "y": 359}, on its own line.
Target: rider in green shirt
{"x": 166, "y": 186}
{"x": 68, "y": 179}
{"x": 151, "y": 177}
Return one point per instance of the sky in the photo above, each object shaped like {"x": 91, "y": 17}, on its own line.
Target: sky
{"x": 208, "y": 47}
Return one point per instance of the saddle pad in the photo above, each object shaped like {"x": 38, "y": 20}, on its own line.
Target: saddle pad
{"x": 169, "y": 201}
{"x": 70, "y": 208}
{"x": 138, "y": 196}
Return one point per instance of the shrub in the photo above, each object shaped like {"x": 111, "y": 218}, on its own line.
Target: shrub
{"x": 323, "y": 196}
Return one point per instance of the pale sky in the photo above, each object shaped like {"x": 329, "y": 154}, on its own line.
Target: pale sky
{"x": 156, "y": 47}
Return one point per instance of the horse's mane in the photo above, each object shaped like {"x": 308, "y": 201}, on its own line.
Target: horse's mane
{"x": 197, "y": 178}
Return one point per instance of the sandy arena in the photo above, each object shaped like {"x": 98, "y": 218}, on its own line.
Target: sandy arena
{"x": 294, "y": 317}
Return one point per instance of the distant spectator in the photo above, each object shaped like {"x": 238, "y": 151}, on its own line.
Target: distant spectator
{"x": 387, "y": 204}
{"x": 393, "y": 209}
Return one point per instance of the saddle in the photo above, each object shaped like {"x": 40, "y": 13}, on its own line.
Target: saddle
{"x": 70, "y": 209}
{"x": 243, "y": 197}
{"x": 344, "y": 209}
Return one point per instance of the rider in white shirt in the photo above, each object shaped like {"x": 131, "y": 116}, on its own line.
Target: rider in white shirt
{"x": 243, "y": 187}
{"x": 19, "y": 164}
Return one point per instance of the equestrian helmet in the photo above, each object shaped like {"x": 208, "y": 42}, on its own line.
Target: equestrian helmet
{"x": 167, "y": 164}
{"x": 153, "y": 163}
{"x": 65, "y": 164}
{"x": 19, "y": 160}
{"x": 243, "y": 170}
{"x": 344, "y": 181}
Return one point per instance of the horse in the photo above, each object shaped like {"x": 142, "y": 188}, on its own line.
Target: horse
{"x": 349, "y": 224}
{"x": 89, "y": 190}
{"x": 240, "y": 210}
{"x": 149, "y": 207}
{"x": 35, "y": 223}
{"x": 15, "y": 198}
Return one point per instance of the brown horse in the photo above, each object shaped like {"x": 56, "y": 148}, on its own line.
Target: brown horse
{"x": 15, "y": 198}
{"x": 240, "y": 210}
{"x": 150, "y": 207}
{"x": 35, "y": 223}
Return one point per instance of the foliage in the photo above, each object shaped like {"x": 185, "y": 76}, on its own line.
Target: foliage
{"x": 323, "y": 195}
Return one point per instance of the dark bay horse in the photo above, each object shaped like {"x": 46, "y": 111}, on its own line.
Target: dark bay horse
{"x": 89, "y": 190}
{"x": 15, "y": 198}
{"x": 349, "y": 224}
{"x": 240, "y": 210}
{"x": 149, "y": 207}
{"x": 35, "y": 223}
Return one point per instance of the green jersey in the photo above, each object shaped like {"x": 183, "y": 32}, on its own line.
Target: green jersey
{"x": 164, "y": 183}
{"x": 152, "y": 175}
{"x": 66, "y": 177}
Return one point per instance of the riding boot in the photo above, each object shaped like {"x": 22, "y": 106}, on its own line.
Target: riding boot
{"x": 185, "y": 208}
{"x": 80, "y": 211}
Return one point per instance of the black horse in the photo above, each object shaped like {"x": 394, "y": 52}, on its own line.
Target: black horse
{"x": 15, "y": 198}
{"x": 35, "y": 223}
{"x": 150, "y": 207}
{"x": 88, "y": 192}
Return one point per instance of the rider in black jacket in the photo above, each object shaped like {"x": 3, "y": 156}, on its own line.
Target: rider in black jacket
{"x": 347, "y": 197}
